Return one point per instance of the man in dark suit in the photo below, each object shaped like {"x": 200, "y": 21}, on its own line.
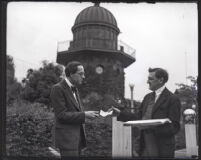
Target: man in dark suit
{"x": 69, "y": 115}
{"x": 158, "y": 141}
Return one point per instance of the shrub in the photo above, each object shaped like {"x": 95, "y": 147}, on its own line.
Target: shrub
{"x": 28, "y": 129}
{"x": 99, "y": 138}
{"x": 98, "y": 131}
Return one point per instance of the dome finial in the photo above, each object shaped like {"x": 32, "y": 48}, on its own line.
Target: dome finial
{"x": 97, "y": 4}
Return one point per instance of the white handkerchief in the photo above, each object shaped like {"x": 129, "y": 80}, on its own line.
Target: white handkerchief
{"x": 104, "y": 114}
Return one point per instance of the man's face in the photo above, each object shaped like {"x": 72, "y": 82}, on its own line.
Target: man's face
{"x": 78, "y": 77}
{"x": 154, "y": 83}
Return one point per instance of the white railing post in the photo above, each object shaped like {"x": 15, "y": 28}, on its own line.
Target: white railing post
{"x": 190, "y": 133}
{"x": 121, "y": 140}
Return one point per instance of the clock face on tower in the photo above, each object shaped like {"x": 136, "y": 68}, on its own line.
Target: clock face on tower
{"x": 99, "y": 69}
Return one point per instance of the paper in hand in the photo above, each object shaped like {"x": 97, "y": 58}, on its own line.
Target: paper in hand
{"x": 104, "y": 114}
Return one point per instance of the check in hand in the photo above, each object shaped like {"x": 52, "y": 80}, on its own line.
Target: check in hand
{"x": 105, "y": 114}
{"x": 91, "y": 114}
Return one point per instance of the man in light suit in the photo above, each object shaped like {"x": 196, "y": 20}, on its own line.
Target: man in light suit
{"x": 158, "y": 141}
{"x": 69, "y": 114}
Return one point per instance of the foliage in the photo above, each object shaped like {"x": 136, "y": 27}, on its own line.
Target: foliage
{"x": 188, "y": 96}
{"x": 188, "y": 92}
{"x": 92, "y": 101}
{"x": 13, "y": 87}
{"x": 99, "y": 138}
{"x": 38, "y": 83}
{"x": 28, "y": 129}
{"x": 106, "y": 83}
{"x": 29, "y": 132}
{"x": 10, "y": 69}
{"x": 98, "y": 131}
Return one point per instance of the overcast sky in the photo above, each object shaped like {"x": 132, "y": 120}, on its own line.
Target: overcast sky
{"x": 163, "y": 34}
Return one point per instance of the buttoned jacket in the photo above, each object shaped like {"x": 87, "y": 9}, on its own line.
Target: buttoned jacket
{"x": 69, "y": 129}
{"x": 167, "y": 106}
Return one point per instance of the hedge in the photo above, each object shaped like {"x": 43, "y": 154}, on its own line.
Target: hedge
{"x": 28, "y": 129}
{"x": 29, "y": 132}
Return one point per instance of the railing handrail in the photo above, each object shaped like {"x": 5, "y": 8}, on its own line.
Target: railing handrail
{"x": 121, "y": 46}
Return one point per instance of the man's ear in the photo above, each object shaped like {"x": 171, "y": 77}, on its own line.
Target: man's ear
{"x": 161, "y": 80}
{"x": 70, "y": 77}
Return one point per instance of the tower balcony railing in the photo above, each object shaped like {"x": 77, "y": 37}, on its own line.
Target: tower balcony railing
{"x": 96, "y": 44}
{"x": 126, "y": 48}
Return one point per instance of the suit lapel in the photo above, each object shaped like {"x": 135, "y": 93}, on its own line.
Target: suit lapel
{"x": 70, "y": 94}
{"x": 78, "y": 98}
{"x": 160, "y": 100}
{"x": 146, "y": 103}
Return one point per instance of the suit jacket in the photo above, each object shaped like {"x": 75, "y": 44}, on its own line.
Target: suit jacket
{"x": 69, "y": 118}
{"x": 167, "y": 106}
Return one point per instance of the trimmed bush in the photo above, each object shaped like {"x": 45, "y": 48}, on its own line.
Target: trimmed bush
{"x": 28, "y": 129}
{"x": 29, "y": 132}
{"x": 99, "y": 138}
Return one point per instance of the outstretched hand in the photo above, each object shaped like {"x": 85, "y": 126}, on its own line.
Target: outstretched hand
{"x": 115, "y": 110}
{"x": 91, "y": 114}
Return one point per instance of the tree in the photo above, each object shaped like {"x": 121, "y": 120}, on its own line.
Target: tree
{"x": 13, "y": 87}
{"x": 188, "y": 93}
{"x": 38, "y": 83}
{"x": 10, "y": 70}
{"x": 188, "y": 97}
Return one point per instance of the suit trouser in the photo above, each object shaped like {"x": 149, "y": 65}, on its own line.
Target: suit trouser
{"x": 69, "y": 153}
{"x": 151, "y": 148}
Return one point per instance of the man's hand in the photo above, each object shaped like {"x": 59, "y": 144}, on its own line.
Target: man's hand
{"x": 91, "y": 114}
{"x": 115, "y": 112}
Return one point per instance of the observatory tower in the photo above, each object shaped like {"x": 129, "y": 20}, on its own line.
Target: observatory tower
{"x": 95, "y": 44}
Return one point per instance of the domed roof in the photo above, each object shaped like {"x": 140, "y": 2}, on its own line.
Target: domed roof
{"x": 95, "y": 14}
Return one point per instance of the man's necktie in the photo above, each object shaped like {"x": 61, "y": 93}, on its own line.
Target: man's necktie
{"x": 149, "y": 108}
{"x": 154, "y": 96}
{"x": 74, "y": 90}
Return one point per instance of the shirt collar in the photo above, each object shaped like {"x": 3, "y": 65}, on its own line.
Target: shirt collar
{"x": 160, "y": 90}
{"x": 68, "y": 82}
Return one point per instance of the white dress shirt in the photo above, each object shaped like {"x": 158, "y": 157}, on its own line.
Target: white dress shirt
{"x": 158, "y": 92}
{"x": 70, "y": 85}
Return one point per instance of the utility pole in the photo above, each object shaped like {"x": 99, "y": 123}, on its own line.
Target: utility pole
{"x": 132, "y": 100}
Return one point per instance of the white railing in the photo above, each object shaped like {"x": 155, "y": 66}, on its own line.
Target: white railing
{"x": 122, "y": 46}
{"x": 126, "y": 48}
{"x": 63, "y": 45}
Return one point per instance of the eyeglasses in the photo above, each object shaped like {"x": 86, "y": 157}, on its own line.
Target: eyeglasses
{"x": 81, "y": 73}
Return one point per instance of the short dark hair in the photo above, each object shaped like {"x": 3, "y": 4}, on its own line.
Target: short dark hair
{"x": 71, "y": 68}
{"x": 160, "y": 73}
